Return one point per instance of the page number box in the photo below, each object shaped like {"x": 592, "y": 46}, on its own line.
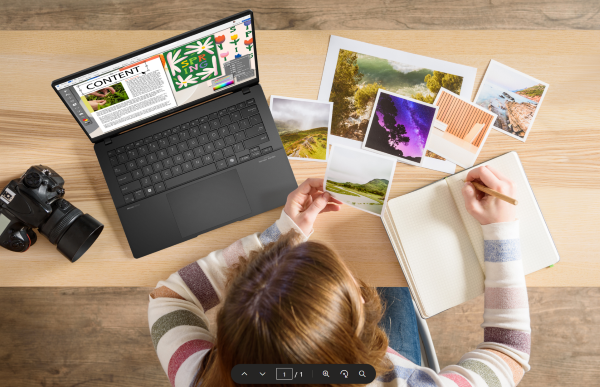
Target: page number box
{"x": 284, "y": 374}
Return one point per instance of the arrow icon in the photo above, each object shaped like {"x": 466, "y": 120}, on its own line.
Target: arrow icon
{"x": 243, "y": 373}
{"x": 262, "y": 373}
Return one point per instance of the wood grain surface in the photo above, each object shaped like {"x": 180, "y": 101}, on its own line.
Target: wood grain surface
{"x": 100, "y": 337}
{"x": 564, "y": 338}
{"x": 561, "y": 155}
{"x": 300, "y": 15}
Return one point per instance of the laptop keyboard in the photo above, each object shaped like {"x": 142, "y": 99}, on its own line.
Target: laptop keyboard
{"x": 189, "y": 151}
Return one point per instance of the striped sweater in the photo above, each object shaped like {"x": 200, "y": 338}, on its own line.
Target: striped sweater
{"x": 182, "y": 334}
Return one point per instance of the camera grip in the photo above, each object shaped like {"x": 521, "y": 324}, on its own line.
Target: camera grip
{"x": 14, "y": 235}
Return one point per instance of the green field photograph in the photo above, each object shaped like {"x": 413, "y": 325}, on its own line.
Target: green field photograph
{"x": 358, "y": 178}
{"x": 303, "y": 126}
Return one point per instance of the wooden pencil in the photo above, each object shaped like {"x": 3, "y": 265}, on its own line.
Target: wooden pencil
{"x": 494, "y": 193}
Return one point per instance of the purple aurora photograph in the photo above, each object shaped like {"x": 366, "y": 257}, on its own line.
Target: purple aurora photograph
{"x": 399, "y": 127}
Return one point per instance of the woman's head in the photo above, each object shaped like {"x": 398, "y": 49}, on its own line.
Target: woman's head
{"x": 296, "y": 304}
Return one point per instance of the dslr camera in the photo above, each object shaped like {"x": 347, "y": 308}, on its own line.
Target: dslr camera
{"x": 36, "y": 201}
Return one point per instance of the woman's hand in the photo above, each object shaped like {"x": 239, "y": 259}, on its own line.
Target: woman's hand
{"x": 103, "y": 92}
{"x": 485, "y": 208}
{"x": 307, "y": 201}
{"x": 97, "y": 103}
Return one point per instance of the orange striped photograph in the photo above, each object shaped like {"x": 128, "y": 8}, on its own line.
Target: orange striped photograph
{"x": 459, "y": 129}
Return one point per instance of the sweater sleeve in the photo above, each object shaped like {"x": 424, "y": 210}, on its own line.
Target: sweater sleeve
{"x": 503, "y": 358}
{"x": 179, "y": 328}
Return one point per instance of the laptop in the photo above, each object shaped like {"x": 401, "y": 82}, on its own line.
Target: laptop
{"x": 183, "y": 134}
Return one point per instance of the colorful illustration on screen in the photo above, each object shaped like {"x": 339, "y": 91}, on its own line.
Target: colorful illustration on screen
{"x": 235, "y": 42}
{"x": 193, "y": 63}
{"x": 211, "y": 63}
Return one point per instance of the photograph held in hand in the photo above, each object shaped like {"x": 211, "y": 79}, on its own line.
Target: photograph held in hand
{"x": 358, "y": 178}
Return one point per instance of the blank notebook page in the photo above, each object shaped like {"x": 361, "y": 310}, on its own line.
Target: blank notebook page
{"x": 442, "y": 261}
{"x": 537, "y": 248}
{"x": 390, "y": 228}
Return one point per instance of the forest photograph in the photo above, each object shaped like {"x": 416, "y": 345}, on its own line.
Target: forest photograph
{"x": 358, "y": 78}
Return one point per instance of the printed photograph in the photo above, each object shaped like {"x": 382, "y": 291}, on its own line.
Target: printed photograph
{"x": 460, "y": 128}
{"x": 357, "y": 79}
{"x": 359, "y": 178}
{"x": 513, "y": 96}
{"x": 303, "y": 126}
{"x": 429, "y": 153}
{"x": 400, "y": 127}
{"x": 103, "y": 98}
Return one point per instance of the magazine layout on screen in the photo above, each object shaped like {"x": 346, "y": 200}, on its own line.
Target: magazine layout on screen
{"x": 161, "y": 79}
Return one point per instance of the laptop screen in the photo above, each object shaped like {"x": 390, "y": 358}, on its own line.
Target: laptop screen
{"x": 162, "y": 79}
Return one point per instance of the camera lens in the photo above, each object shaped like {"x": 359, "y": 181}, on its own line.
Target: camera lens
{"x": 79, "y": 237}
{"x": 70, "y": 230}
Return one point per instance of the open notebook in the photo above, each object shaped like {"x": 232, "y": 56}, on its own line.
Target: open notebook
{"x": 440, "y": 246}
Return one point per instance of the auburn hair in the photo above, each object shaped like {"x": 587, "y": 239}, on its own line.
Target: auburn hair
{"x": 293, "y": 303}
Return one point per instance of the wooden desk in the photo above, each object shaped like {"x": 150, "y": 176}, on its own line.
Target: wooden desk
{"x": 561, "y": 155}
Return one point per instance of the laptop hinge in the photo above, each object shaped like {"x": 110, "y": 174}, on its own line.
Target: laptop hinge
{"x": 107, "y": 141}
{"x": 246, "y": 90}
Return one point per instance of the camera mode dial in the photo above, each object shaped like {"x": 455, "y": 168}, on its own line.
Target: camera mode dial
{"x": 33, "y": 180}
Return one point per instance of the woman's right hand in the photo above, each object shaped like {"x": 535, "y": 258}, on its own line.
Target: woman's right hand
{"x": 103, "y": 92}
{"x": 96, "y": 103}
{"x": 483, "y": 207}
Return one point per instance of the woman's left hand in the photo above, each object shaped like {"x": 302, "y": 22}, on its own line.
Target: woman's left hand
{"x": 307, "y": 201}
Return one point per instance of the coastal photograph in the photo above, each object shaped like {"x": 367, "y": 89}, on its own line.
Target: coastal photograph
{"x": 358, "y": 77}
{"x": 513, "y": 96}
{"x": 303, "y": 126}
{"x": 400, "y": 127}
{"x": 358, "y": 178}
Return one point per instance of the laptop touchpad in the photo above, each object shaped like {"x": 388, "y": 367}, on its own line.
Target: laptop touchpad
{"x": 209, "y": 203}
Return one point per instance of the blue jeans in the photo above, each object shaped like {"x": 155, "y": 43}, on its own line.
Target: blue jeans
{"x": 400, "y": 322}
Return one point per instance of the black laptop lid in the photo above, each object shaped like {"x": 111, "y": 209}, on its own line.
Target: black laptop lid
{"x": 162, "y": 79}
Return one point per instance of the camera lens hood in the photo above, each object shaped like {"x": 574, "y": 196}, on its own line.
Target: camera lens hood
{"x": 78, "y": 238}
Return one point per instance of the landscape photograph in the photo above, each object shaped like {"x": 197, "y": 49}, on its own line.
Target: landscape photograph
{"x": 400, "y": 127}
{"x": 357, "y": 79}
{"x": 513, "y": 96}
{"x": 303, "y": 126}
{"x": 358, "y": 178}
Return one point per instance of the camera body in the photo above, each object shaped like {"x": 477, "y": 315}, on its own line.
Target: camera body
{"x": 35, "y": 200}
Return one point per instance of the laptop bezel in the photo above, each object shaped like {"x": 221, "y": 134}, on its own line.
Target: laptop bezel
{"x": 141, "y": 123}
